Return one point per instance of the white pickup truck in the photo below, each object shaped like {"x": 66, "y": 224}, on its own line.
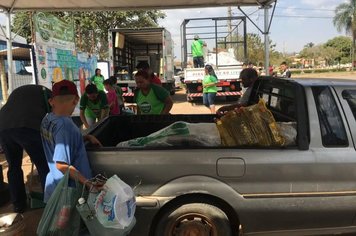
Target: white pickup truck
{"x": 308, "y": 188}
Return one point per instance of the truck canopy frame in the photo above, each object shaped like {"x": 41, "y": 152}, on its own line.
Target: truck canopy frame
{"x": 216, "y": 31}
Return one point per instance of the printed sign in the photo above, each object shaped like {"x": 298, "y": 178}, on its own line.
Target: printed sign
{"x": 56, "y": 64}
{"x": 54, "y": 32}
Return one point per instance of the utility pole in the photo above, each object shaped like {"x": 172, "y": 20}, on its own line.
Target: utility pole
{"x": 229, "y": 26}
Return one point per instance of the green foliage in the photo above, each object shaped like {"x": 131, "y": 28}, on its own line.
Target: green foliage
{"x": 20, "y": 25}
{"x": 309, "y": 45}
{"x": 92, "y": 27}
{"x": 343, "y": 19}
{"x": 342, "y": 45}
{"x": 255, "y": 50}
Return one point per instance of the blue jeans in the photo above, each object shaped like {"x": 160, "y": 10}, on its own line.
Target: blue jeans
{"x": 209, "y": 99}
{"x": 198, "y": 62}
{"x": 13, "y": 142}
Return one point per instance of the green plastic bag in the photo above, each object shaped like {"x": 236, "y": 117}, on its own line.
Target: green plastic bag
{"x": 60, "y": 216}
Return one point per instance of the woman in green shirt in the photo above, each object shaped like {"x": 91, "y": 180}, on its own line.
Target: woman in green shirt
{"x": 151, "y": 98}
{"x": 209, "y": 88}
{"x": 98, "y": 80}
{"x": 93, "y": 106}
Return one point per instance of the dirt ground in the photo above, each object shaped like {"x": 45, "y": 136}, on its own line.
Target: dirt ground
{"x": 181, "y": 106}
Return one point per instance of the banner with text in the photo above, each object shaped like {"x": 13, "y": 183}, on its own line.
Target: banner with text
{"x": 53, "y": 32}
{"x": 55, "y": 64}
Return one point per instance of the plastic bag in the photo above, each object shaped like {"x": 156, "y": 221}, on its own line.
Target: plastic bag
{"x": 179, "y": 134}
{"x": 96, "y": 228}
{"x": 289, "y": 132}
{"x": 59, "y": 216}
{"x": 115, "y": 205}
{"x": 86, "y": 210}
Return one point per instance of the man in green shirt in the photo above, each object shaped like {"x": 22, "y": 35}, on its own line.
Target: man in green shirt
{"x": 93, "y": 105}
{"x": 197, "y": 52}
{"x": 98, "y": 80}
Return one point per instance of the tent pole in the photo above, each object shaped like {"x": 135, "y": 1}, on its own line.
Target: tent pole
{"x": 266, "y": 38}
{"x": 9, "y": 52}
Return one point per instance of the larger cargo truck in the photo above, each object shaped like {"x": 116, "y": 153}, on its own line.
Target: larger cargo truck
{"x": 128, "y": 47}
{"x": 226, "y": 51}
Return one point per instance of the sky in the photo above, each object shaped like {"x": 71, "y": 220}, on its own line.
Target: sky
{"x": 296, "y": 22}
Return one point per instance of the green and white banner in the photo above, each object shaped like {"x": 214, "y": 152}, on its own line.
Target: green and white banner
{"x": 53, "y": 32}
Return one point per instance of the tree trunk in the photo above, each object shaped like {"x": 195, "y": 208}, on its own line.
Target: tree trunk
{"x": 353, "y": 51}
{"x": 353, "y": 47}
{"x": 3, "y": 80}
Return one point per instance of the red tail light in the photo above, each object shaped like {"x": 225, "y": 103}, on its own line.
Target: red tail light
{"x": 200, "y": 88}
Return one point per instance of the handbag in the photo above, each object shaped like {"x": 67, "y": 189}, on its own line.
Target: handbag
{"x": 60, "y": 216}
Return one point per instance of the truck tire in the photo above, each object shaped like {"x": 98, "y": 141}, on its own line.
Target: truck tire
{"x": 199, "y": 219}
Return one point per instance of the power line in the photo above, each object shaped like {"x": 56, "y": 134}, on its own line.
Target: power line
{"x": 307, "y": 17}
{"x": 295, "y": 16}
{"x": 306, "y": 9}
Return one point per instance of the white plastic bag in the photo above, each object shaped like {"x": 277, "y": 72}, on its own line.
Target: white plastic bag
{"x": 115, "y": 205}
{"x": 289, "y": 131}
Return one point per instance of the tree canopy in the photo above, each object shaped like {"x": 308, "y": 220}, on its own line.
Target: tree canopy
{"x": 92, "y": 27}
{"x": 344, "y": 18}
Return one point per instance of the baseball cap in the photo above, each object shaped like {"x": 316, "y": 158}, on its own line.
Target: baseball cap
{"x": 142, "y": 65}
{"x": 196, "y": 36}
{"x": 64, "y": 87}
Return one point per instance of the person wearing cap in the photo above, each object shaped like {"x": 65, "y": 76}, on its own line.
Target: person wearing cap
{"x": 20, "y": 121}
{"x": 93, "y": 106}
{"x": 143, "y": 65}
{"x": 197, "y": 52}
{"x": 62, "y": 140}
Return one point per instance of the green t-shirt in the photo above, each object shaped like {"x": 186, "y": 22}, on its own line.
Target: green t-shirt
{"x": 98, "y": 81}
{"x": 93, "y": 109}
{"x": 207, "y": 80}
{"x": 197, "y": 48}
{"x": 153, "y": 102}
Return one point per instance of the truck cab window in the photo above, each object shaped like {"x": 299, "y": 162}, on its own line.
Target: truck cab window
{"x": 331, "y": 125}
{"x": 279, "y": 98}
{"x": 350, "y": 97}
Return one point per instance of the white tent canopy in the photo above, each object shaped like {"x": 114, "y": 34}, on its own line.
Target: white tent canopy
{"x": 11, "y": 6}
{"x": 82, "y": 5}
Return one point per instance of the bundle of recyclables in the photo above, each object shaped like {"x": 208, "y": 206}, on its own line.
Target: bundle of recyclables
{"x": 248, "y": 126}
{"x": 111, "y": 211}
{"x": 255, "y": 126}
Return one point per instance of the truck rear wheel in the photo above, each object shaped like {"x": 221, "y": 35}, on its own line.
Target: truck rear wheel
{"x": 198, "y": 219}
